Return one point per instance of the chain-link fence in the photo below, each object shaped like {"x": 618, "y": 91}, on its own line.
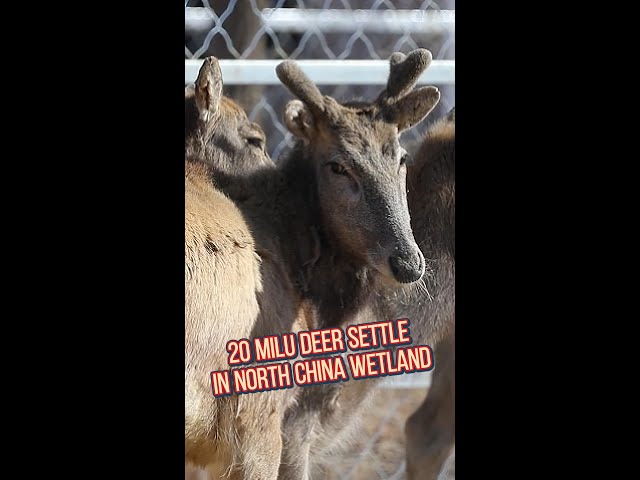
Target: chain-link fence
{"x": 250, "y": 37}
{"x": 250, "y": 30}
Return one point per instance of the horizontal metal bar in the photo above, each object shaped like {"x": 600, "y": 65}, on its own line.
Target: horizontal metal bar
{"x": 342, "y": 20}
{"x": 198, "y": 18}
{"x": 322, "y": 72}
{"x": 336, "y": 20}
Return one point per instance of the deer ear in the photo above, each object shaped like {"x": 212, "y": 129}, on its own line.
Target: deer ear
{"x": 208, "y": 88}
{"x": 299, "y": 119}
{"x": 413, "y": 108}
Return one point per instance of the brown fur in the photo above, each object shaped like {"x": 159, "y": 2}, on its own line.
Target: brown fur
{"x": 430, "y": 430}
{"x": 224, "y": 288}
{"x": 219, "y": 257}
{"x": 405, "y": 70}
{"x": 319, "y": 245}
{"x": 323, "y": 415}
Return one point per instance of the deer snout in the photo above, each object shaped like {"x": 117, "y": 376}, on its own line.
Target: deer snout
{"x": 407, "y": 266}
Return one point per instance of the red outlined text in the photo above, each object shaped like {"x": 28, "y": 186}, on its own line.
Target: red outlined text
{"x": 320, "y": 356}
{"x": 262, "y": 378}
{"x": 239, "y": 351}
{"x": 378, "y": 334}
{"x": 381, "y": 363}
{"x": 274, "y": 347}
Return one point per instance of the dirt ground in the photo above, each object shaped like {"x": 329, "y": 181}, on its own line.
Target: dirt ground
{"x": 379, "y": 451}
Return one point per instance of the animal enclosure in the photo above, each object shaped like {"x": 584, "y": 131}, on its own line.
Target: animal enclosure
{"x": 344, "y": 47}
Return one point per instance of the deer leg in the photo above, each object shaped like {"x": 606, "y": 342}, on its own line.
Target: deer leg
{"x": 260, "y": 446}
{"x": 296, "y": 446}
{"x": 295, "y": 461}
{"x": 430, "y": 430}
{"x": 319, "y": 424}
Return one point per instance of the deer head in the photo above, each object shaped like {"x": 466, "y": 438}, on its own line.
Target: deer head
{"x": 217, "y": 130}
{"x": 359, "y": 164}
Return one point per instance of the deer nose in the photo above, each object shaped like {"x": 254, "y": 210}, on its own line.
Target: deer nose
{"x": 408, "y": 268}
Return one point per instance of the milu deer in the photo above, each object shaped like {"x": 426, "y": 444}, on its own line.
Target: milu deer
{"x": 327, "y": 414}
{"x": 318, "y": 233}
{"x": 223, "y": 284}
{"x": 430, "y": 430}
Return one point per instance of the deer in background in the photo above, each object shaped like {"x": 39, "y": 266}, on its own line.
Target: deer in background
{"x": 430, "y": 430}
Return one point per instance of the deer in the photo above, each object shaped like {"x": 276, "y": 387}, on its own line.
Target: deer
{"x": 309, "y": 239}
{"x": 217, "y": 130}
{"x": 327, "y": 415}
{"x": 222, "y": 281}
{"x": 430, "y": 430}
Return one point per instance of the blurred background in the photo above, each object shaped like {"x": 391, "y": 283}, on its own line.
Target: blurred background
{"x": 344, "y": 46}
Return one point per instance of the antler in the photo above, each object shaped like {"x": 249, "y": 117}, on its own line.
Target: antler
{"x": 451, "y": 116}
{"x": 292, "y": 76}
{"x": 398, "y": 103}
{"x": 404, "y": 72}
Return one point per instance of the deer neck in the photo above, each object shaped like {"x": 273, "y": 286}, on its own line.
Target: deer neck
{"x": 335, "y": 285}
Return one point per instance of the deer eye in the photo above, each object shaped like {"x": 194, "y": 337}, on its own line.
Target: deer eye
{"x": 255, "y": 142}
{"x": 338, "y": 169}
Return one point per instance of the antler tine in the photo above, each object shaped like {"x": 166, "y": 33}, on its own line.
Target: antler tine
{"x": 451, "y": 116}
{"x": 292, "y": 76}
{"x": 404, "y": 71}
